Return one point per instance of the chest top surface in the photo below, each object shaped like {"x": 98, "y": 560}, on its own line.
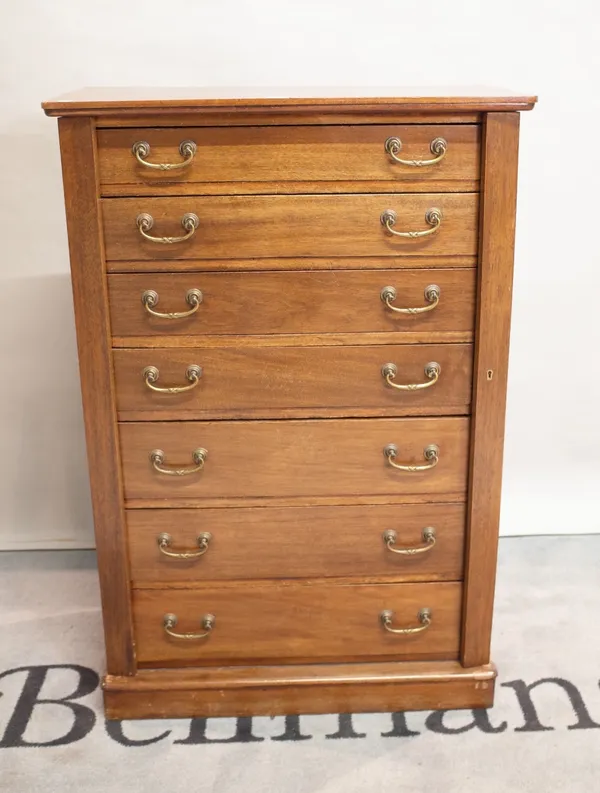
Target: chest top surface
{"x": 121, "y": 100}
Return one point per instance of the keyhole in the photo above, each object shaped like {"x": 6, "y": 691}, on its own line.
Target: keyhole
{"x": 490, "y": 374}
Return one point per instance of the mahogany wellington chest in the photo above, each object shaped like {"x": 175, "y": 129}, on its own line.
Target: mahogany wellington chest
{"x": 293, "y": 321}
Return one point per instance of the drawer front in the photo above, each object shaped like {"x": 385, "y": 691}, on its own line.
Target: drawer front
{"x": 289, "y": 154}
{"x": 293, "y": 302}
{"x": 297, "y": 542}
{"x": 277, "y": 459}
{"x": 288, "y": 381}
{"x": 294, "y": 623}
{"x": 242, "y": 227}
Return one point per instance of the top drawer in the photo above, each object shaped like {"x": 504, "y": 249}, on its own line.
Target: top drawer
{"x": 251, "y": 159}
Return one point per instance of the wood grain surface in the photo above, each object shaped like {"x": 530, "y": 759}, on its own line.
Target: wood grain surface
{"x": 279, "y": 622}
{"x": 321, "y": 154}
{"x": 254, "y": 303}
{"x": 271, "y": 382}
{"x": 490, "y": 378}
{"x": 269, "y": 459}
{"x": 414, "y": 185}
{"x": 78, "y": 153}
{"x": 122, "y": 101}
{"x": 274, "y": 264}
{"x": 302, "y": 542}
{"x": 292, "y": 689}
{"x": 291, "y": 340}
{"x": 269, "y": 226}
{"x": 302, "y": 117}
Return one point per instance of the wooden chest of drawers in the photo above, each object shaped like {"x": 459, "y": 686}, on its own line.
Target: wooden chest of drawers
{"x": 293, "y": 321}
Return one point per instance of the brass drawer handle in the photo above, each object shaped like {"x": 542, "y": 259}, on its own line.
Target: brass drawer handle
{"x": 438, "y": 147}
{"x": 141, "y": 150}
{"x": 165, "y": 541}
{"x": 424, "y": 617}
{"x": 193, "y": 298}
{"x": 189, "y": 221}
{"x": 207, "y": 622}
{"x": 390, "y": 537}
{"x": 431, "y": 453}
{"x": 432, "y": 373}
{"x": 433, "y": 217}
{"x": 432, "y": 296}
{"x": 151, "y": 374}
{"x": 157, "y": 458}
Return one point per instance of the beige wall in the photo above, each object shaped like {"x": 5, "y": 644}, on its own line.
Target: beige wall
{"x": 549, "y": 47}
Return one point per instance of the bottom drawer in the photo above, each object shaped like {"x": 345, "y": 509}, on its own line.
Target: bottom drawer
{"x": 296, "y": 623}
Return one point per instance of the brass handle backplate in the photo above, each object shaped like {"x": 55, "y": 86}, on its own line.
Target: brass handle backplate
{"x": 432, "y": 295}
{"x": 433, "y": 217}
{"x": 151, "y": 374}
{"x": 207, "y": 622}
{"x": 424, "y": 616}
{"x": 431, "y": 453}
{"x": 141, "y": 150}
{"x": 390, "y": 537}
{"x": 193, "y": 298}
{"x": 157, "y": 458}
{"x": 438, "y": 147}
{"x": 165, "y": 541}
{"x": 189, "y": 222}
{"x": 432, "y": 373}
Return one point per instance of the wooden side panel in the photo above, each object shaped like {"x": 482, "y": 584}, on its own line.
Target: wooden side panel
{"x": 500, "y": 153}
{"x": 77, "y": 141}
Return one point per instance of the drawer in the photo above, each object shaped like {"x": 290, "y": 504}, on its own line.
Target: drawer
{"x": 255, "y": 303}
{"x": 263, "y": 460}
{"x": 297, "y": 542}
{"x": 287, "y": 155}
{"x": 293, "y": 381}
{"x": 245, "y": 227}
{"x": 295, "y": 623}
